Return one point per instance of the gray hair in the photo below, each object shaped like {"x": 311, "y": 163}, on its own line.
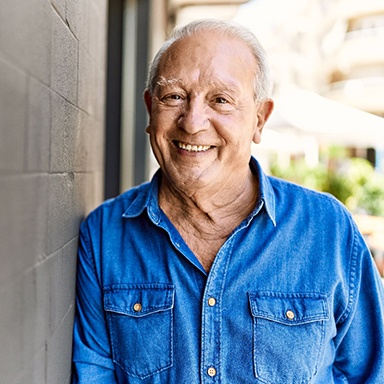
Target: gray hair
{"x": 262, "y": 82}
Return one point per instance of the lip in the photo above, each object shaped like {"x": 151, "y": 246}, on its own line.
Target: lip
{"x": 192, "y": 148}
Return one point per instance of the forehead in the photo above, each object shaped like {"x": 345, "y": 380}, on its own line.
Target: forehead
{"x": 208, "y": 55}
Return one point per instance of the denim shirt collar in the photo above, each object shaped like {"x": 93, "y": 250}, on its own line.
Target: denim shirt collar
{"x": 266, "y": 192}
{"x": 150, "y": 199}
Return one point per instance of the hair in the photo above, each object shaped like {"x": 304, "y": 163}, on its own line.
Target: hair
{"x": 262, "y": 82}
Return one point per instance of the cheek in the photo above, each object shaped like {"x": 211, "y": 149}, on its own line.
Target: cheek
{"x": 238, "y": 132}
{"x": 165, "y": 122}
{"x": 161, "y": 129}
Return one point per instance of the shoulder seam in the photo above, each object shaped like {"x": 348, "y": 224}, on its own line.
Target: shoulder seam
{"x": 352, "y": 276}
{"x": 88, "y": 251}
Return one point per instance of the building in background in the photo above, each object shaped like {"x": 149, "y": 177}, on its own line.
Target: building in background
{"x": 353, "y": 52}
{"x": 332, "y": 49}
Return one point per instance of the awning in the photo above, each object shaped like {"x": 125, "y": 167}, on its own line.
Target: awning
{"x": 331, "y": 122}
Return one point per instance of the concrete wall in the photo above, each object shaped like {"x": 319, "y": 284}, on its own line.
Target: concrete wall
{"x": 52, "y": 82}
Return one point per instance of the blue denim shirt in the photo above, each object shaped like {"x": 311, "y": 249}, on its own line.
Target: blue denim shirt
{"x": 293, "y": 296}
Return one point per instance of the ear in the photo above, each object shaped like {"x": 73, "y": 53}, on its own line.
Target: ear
{"x": 264, "y": 110}
{"x": 148, "y": 104}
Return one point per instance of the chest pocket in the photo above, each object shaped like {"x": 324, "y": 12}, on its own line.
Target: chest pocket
{"x": 140, "y": 321}
{"x": 288, "y": 335}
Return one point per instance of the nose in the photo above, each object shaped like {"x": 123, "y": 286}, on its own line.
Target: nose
{"x": 194, "y": 118}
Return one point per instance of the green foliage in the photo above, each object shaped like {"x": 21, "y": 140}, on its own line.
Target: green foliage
{"x": 353, "y": 181}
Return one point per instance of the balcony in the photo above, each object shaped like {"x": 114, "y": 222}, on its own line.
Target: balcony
{"x": 366, "y": 93}
{"x": 368, "y": 43}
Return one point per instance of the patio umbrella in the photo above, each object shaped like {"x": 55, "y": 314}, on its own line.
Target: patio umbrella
{"x": 331, "y": 122}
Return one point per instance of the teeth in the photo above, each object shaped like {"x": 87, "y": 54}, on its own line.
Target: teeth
{"x": 193, "y": 148}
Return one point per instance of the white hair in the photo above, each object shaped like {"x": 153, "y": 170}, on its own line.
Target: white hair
{"x": 262, "y": 82}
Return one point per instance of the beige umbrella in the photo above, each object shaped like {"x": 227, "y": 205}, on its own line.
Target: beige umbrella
{"x": 331, "y": 122}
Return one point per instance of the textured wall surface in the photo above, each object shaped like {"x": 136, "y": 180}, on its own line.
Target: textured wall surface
{"x": 52, "y": 83}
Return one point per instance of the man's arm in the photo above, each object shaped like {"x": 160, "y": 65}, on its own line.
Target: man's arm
{"x": 360, "y": 340}
{"x": 92, "y": 361}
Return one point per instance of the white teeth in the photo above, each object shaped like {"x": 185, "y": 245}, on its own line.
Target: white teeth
{"x": 193, "y": 148}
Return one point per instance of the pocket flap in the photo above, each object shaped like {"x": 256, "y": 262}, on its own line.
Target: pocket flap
{"x": 289, "y": 309}
{"x": 139, "y": 299}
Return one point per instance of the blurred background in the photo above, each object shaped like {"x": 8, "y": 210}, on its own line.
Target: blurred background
{"x": 327, "y": 129}
{"x": 72, "y": 120}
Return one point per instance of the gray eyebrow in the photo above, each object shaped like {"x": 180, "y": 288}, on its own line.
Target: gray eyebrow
{"x": 163, "y": 81}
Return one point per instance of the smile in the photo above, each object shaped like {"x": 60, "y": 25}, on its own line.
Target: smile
{"x": 192, "y": 148}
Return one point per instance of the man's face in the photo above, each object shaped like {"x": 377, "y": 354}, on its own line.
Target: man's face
{"x": 203, "y": 113}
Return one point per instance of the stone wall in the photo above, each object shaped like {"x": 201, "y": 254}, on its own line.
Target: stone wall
{"x": 52, "y": 85}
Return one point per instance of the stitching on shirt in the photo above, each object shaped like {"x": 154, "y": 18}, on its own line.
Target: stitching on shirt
{"x": 128, "y": 370}
{"x": 90, "y": 255}
{"x": 227, "y": 255}
{"x": 352, "y": 277}
{"x": 226, "y": 267}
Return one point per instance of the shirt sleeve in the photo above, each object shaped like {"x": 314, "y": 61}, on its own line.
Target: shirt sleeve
{"x": 360, "y": 339}
{"x": 92, "y": 361}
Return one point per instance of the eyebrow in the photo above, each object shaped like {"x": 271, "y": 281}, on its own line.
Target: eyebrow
{"x": 229, "y": 87}
{"x": 162, "y": 82}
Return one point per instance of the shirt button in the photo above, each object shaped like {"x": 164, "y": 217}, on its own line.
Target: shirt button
{"x": 211, "y": 301}
{"x": 137, "y": 307}
{"x": 211, "y": 371}
{"x": 290, "y": 315}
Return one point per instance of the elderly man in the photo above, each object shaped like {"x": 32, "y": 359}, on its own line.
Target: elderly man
{"x": 214, "y": 272}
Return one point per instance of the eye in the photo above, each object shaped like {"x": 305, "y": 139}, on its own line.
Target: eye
{"x": 172, "y": 99}
{"x": 221, "y": 100}
{"x": 222, "y": 103}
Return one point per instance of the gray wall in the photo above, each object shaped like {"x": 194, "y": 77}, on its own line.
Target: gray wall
{"x": 52, "y": 83}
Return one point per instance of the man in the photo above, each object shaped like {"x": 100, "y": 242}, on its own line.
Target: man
{"x": 214, "y": 272}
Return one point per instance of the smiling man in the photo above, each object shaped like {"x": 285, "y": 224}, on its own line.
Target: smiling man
{"x": 214, "y": 272}
{"x": 204, "y": 115}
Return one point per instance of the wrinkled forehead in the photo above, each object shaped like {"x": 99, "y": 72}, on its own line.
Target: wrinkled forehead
{"x": 209, "y": 52}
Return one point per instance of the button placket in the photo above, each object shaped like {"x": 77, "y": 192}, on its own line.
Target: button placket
{"x": 210, "y": 337}
{"x": 211, "y": 317}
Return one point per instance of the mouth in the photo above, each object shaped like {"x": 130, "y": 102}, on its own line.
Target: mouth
{"x": 192, "y": 147}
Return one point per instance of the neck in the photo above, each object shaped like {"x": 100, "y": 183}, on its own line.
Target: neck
{"x": 225, "y": 207}
{"x": 205, "y": 220}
